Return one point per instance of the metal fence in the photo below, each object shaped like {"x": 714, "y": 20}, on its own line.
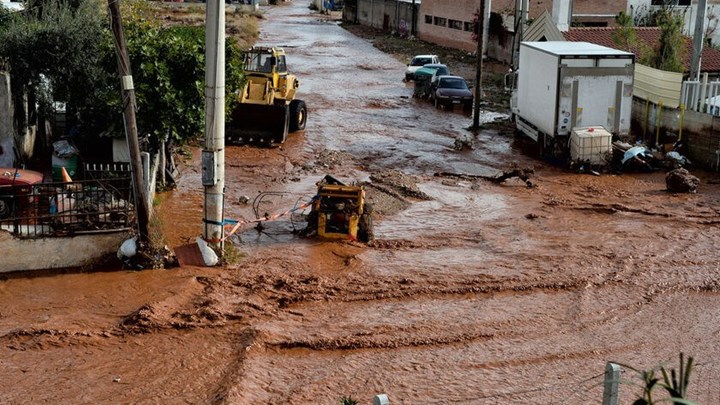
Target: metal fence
{"x": 702, "y": 97}
{"x": 62, "y": 209}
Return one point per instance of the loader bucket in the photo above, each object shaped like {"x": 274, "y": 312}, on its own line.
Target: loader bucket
{"x": 258, "y": 124}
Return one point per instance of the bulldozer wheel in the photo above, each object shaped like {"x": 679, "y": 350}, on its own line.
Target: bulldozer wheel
{"x": 365, "y": 225}
{"x": 298, "y": 115}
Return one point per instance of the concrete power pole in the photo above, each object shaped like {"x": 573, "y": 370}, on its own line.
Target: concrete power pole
{"x": 128, "y": 99}
{"x": 413, "y": 17}
{"x": 521, "y": 14}
{"x": 213, "y": 155}
{"x": 698, "y": 39}
{"x": 478, "y": 71}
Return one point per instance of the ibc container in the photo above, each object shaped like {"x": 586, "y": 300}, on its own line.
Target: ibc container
{"x": 591, "y": 144}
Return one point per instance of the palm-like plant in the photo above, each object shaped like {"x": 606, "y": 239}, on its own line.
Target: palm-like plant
{"x": 674, "y": 382}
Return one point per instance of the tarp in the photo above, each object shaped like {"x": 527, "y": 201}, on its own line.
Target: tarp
{"x": 425, "y": 72}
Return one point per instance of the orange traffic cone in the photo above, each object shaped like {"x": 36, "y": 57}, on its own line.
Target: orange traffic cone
{"x": 65, "y": 176}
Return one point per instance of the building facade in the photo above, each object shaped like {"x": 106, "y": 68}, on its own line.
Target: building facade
{"x": 451, "y": 23}
{"x": 398, "y": 16}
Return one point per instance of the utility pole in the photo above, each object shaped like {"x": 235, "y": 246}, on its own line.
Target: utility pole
{"x": 698, "y": 39}
{"x": 128, "y": 99}
{"x": 521, "y": 12}
{"x": 478, "y": 71}
{"x": 413, "y": 17}
{"x": 213, "y": 154}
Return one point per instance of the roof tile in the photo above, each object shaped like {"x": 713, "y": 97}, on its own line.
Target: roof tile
{"x": 648, "y": 35}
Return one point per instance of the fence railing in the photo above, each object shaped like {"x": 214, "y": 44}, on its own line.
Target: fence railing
{"x": 700, "y": 96}
{"x": 61, "y": 209}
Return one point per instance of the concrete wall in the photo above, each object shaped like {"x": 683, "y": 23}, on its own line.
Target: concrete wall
{"x": 7, "y": 157}
{"x": 498, "y": 45}
{"x": 56, "y": 253}
{"x": 700, "y": 131}
{"x": 458, "y": 10}
{"x": 388, "y": 15}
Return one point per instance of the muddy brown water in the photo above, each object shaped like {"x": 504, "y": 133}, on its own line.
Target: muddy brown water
{"x": 478, "y": 293}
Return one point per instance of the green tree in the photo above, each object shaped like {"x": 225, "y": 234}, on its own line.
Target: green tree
{"x": 63, "y": 51}
{"x": 52, "y": 53}
{"x": 168, "y": 66}
{"x": 625, "y": 36}
{"x": 671, "y": 49}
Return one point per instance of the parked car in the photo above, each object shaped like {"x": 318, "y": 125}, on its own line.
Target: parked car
{"x": 16, "y": 189}
{"x": 440, "y": 70}
{"x": 449, "y": 91}
{"x": 425, "y": 76}
{"x": 417, "y": 62}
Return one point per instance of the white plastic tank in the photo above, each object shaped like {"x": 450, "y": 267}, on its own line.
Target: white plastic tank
{"x": 591, "y": 144}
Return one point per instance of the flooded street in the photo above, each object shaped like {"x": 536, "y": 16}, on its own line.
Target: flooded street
{"x": 473, "y": 292}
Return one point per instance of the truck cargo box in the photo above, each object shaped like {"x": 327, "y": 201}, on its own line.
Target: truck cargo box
{"x": 563, "y": 85}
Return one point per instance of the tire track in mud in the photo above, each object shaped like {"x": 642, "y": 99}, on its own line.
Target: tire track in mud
{"x": 218, "y": 304}
{"x": 235, "y": 367}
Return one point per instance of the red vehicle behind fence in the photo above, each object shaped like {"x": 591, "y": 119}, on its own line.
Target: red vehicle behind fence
{"x": 16, "y": 189}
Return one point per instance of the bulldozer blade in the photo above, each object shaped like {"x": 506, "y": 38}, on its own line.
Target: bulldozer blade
{"x": 258, "y": 124}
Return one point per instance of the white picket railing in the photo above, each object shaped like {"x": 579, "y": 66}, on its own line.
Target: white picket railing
{"x": 701, "y": 96}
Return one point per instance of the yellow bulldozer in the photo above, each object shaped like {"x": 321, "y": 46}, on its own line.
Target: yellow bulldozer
{"x": 267, "y": 109}
{"x": 340, "y": 211}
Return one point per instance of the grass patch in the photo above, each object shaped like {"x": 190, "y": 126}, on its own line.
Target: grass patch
{"x": 232, "y": 255}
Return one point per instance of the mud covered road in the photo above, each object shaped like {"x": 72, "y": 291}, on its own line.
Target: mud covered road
{"x": 472, "y": 293}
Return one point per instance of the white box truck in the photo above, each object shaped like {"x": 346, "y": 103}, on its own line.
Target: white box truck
{"x": 563, "y": 85}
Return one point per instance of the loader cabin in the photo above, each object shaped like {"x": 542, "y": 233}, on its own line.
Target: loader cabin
{"x": 264, "y": 61}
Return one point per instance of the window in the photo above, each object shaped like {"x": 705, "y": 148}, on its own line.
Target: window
{"x": 281, "y": 67}
{"x": 428, "y": 19}
{"x": 455, "y": 24}
{"x": 440, "y": 21}
{"x": 469, "y": 26}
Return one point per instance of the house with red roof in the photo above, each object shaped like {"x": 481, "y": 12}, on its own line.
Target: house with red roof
{"x": 650, "y": 36}
{"x": 543, "y": 29}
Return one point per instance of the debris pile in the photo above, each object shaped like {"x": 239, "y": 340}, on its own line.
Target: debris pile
{"x": 681, "y": 181}
{"x": 521, "y": 173}
{"x": 640, "y": 157}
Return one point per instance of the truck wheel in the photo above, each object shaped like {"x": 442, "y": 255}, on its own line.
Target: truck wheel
{"x": 6, "y": 207}
{"x": 298, "y": 115}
